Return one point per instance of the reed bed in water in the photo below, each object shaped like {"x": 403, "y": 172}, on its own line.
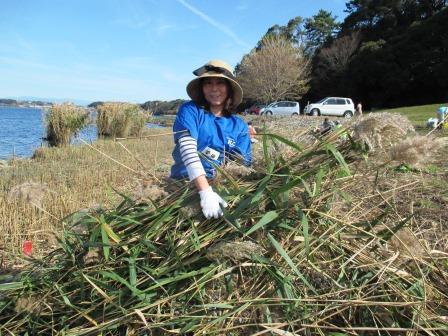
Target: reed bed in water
{"x": 315, "y": 240}
{"x": 120, "y": 120}
{"x": 62, "y": 123}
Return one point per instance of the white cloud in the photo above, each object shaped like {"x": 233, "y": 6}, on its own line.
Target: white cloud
{"x": 226, "y": 30}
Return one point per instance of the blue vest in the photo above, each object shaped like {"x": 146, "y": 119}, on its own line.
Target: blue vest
{"x": 227, "y": 136}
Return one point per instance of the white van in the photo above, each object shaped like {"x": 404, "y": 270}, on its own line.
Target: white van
{"x": 332, "y": 106}
{"x": 281, "y": 108}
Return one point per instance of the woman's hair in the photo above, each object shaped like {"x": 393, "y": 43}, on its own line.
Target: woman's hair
{"x": 228, "y": 104}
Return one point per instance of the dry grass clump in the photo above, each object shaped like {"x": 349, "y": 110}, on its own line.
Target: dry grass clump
{"x": 235, "y": 251}
{"x": 380, "y": 130}
{"x": 405, "y": 242}
{"x": 237, "y": 170}
{"x": 28, "y": 305}
{"x": 63, "y": 121}
{"x": 148, "y": 190}
{"x": 192, "y": 210}
{"x": 92, "y": 257}
{"x": 39, "y": 153}
{"x": 29, "y": 192}
{"x": 120, "y": 120}
{"x": 416, "y": 151}
{"x": 296, "y": 129}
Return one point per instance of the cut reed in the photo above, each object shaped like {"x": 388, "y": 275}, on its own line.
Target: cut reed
{"x": 299, "y": 265}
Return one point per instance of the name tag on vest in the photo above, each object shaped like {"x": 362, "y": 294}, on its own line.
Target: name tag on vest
{"x": 211, "y": 153}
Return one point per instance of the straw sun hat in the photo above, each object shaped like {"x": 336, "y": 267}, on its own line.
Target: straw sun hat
{"x": 214, "y": 68}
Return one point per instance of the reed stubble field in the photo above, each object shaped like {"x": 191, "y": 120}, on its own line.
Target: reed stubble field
{"x": 37, "y": 193}
{"x": 322, "y": 236}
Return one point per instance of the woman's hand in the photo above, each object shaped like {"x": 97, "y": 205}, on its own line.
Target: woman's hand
{"x": 210, "y": 201}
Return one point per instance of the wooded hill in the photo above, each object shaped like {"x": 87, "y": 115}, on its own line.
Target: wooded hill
{"x": 401, "y": 59}
{"x": 156, "y": 107}
{"x": 385, "y": 53}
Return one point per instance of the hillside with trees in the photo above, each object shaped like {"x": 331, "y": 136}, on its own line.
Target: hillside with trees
{"x": 385, "y": 53}
{"x": 158, "y": 107}
{"x": 155, "y": 107}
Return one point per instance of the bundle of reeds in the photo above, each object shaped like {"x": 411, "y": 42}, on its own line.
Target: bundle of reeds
{"x": 379, "y": 130}
{"x": 280, "y": 262}
{"x": 63, "y": 121}
{"x": 120, "y": 120}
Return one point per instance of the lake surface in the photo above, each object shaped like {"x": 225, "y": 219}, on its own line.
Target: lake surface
{"x": 22, "y": 129}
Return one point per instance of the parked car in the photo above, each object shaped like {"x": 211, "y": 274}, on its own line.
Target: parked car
{"x": 255, "y": 109}
{"x": 332, "y": 106}
{"x": 281, "y": 108}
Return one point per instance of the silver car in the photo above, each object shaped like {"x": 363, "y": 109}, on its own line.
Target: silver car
{"x": 281, "y": 108}
{"x": 332, "y": 106}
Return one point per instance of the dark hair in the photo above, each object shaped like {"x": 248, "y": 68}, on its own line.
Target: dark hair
{"x": 228, "y": 104}
{"x": 249, "y": 123}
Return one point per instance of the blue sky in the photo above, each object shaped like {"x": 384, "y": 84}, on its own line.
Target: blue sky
{"x": 130, "y": 50}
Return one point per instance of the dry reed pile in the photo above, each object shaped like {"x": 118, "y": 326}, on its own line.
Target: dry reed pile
{"x": 63, "y": 121}
{"x": 313, "y": 242}
{"x": 120, "y": 120}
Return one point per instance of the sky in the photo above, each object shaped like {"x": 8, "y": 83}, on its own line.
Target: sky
{"x": 130, "y": 50}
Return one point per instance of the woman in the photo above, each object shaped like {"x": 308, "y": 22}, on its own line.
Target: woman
{"x": 359, "y": 109}
{"x": 252, "y": 132}
{"x": 206, "y": 132}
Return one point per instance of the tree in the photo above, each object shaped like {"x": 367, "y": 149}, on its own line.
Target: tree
{"x": 319, "y": 30}
{"x": 277, "y": 70}
{"x": 158, "y": 107}
{"x": 331, "y": 65}
{"x": 292, "y": 32}
{"x": 410, "y": 69}
{"x": 386, "y": 18}
{"x": 335, "y": 58}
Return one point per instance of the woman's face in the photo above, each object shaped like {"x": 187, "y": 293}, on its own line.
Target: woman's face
{"x": 215, "y": 91}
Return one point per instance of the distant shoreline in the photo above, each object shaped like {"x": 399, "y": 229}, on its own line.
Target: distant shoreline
{"x": 26, "y": 106}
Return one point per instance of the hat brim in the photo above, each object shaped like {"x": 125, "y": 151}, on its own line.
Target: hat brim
{"x": 194, "y": 88}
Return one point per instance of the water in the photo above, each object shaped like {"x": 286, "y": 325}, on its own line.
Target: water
{"x": 22, "y": 129}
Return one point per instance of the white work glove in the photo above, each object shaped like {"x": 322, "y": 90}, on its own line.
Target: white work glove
{"x": 210, "y": 202}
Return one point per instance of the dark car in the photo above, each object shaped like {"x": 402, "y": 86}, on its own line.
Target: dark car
{"x": 255, "y": 109}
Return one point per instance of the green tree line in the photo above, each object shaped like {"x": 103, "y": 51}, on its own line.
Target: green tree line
{"x": 154, "y": 107}
{"x": 385, "y": 53}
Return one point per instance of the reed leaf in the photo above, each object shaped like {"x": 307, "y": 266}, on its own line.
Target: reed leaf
{"x": 266, "y": 219}
{"x": 286, "y": 257}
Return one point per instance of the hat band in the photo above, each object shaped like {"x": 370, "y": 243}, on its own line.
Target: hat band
{"x": 211, "y": 68}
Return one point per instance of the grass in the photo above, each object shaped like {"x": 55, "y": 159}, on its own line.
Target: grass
{"x": 317, "y": 239}
{"x": 418, "y": 115}
{"x": 74, "y": 177}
